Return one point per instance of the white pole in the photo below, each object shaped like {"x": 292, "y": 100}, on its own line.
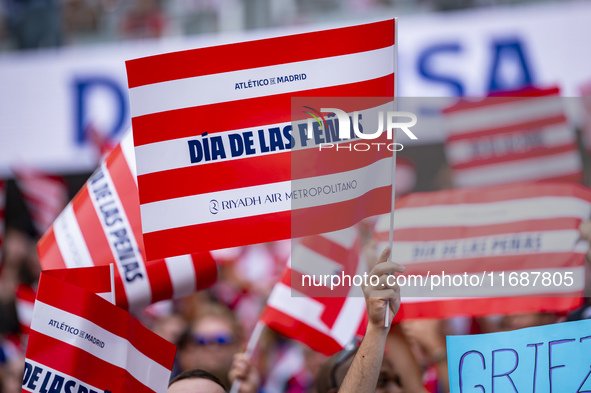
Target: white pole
{"x": 250, "y": 347}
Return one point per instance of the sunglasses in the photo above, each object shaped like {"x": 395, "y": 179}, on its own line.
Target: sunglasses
{"x": 213, "y": 339}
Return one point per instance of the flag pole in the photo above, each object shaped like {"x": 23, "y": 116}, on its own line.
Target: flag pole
{"x": 112, "y": 271}
{"x": 249, "y": 351}
{"x": 391, "y": 237}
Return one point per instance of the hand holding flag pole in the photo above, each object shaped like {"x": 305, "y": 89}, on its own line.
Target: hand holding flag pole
{"x": 249, "y": 351}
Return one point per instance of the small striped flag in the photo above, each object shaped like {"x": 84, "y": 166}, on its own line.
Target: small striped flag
{"x": 512, "y": 137}
{"x": 81, "y": 342}
{"x": 101, "y": 225}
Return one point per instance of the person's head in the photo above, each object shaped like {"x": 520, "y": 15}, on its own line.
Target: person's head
{"x": 211, "y": 341}
{"x": 196, "y": 381}
{"x": 332, "y": 374}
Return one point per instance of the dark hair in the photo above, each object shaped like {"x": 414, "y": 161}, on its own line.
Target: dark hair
{"x": 197, "y": 373}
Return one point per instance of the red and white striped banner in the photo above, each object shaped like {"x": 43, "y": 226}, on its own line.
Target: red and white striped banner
{"x": 102, "y": 226}
{"x": 324, "y": 320}
{"x": 505, "y": 249}
{"x": 80, "y": 342}
{"x": 512, "y": 137}
{"x": 45, "y": 195}
{"x": 215, "y": 146}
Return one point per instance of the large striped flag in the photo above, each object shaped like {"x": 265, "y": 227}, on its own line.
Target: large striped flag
{"x": 216, "y": 149}
{"x": 45, "y": 195}
{"x": 101, "y": 225}
{"x": 79, "y": 342}
{"x": 324, "y": 318}
{"x": 504, "y": 249}
{"x": 512, "y": 137}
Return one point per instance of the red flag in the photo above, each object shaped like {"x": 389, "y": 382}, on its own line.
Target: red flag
{"x": 45, "y": 195}
{"x": 504, "y": 249}
{"x": 512, "y": 137}
{"x": 324, "y": 321}
{"x": 80, "y": 342}
{"x": 218, "y": 166}
{"x": 102, "y": 225}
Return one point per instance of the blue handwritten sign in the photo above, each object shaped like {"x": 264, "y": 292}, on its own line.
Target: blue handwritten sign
{"x": 545, "y": 359}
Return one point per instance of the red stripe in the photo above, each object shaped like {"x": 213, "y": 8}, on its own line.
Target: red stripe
{"x": 91, "y": 228}
{"x": 96, "y": 279}
{"x": 461, "y": 232}
{"x": 487, "y": 306}
{"x": 81, "y": 365}
{"x": 254, "y": 171}
{"x": 253, "y": 112}
{"x": 206, "y": 269}
{"x": 297, "y": 330}
{"x": 533, "y": 262}
{"x": 533, "y": 153}
{"x": 494, "y": 194}
{"x": 505, "y": 97}
{"x": 50, "y": 255}
{"x": 260, "y": 53}
{"x": 96, "y": 239}
{"x": 127, "y": 192}
{"x": 78, "y": 301}
{"x": 159, "y": 278}
{"x": 531, "y": 126}
{"x": 266, "y": 228}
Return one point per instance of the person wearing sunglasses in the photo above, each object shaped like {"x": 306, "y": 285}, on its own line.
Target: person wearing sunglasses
{"x": 211, "y": 342}
{"x": 363, "y": 368}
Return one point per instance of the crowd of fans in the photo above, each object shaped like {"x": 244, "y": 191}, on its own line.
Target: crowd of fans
{"x": 211, "y": 328}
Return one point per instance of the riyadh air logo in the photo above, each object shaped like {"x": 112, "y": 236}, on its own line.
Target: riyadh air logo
{"x": 213, "y": 206}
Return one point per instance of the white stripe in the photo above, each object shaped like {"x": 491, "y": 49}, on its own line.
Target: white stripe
{"x": 45, "y": 370}
{"x": 495, "y": 288}
{"x": 503, "y": 145}
{"x": 70, "y": 240}
{"x": 117, "y": 350}
{"x": 306, "y": 261}
{"x": 129, "y": 153}
{"x": 182, "y": 275}
{"x": 344, "y": 237}
{"x": 195, "y": 209}
{"x": 324, "y": 72}
{"x": 174, "y": 153}
{"x": 501, "y": 115}
{"x": 560, "y": 241}
{"x": 137, "y": 289}
{"x": 528, "y": 169}
{"x": 477, "y": 214}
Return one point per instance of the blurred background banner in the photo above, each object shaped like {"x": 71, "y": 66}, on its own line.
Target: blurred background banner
{"x": 54, "y": 98}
